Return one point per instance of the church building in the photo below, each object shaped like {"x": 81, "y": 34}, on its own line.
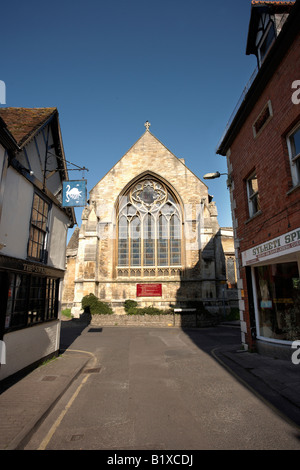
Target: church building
{"x": 149, "y": 233}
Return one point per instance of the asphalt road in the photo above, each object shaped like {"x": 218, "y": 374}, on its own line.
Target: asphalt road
{"x": 159, "y": 389}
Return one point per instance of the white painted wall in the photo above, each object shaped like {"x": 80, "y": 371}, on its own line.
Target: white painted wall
{"x": 24, "y": 347}
{"x": 58, "y": 238}
{"x": 36, "y": 151}
{"x": 16, "y": 212}
{"x": 15, "y": 221}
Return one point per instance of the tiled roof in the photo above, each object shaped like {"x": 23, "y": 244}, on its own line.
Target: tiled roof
{"x": 22, "y": 123}
{"x": 254, "y": 2}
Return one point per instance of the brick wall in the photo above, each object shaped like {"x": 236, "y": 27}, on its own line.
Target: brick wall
{"x": 267, "y": 154}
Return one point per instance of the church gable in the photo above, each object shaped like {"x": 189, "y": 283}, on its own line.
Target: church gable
{"x": 147, "y": 155}
{"x": 150, "y": 223}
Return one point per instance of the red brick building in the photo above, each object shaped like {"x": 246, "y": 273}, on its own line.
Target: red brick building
{"x": 262, "y": 146}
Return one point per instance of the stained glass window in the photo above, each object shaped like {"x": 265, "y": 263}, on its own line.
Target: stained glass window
{"x": 149, "y": 227}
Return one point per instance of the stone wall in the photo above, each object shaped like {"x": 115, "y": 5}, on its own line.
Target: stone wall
{"x": 202, "y": 265}
{"x": 188, "y": 320}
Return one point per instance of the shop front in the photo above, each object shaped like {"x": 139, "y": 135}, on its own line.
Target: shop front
{"x": 275, "y": 273}
{"x": 29, "y": 313}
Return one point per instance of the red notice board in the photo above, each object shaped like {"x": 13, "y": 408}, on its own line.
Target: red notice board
{"x": 148, "y": 290}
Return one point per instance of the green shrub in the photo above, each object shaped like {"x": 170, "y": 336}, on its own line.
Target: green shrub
{"x": 133, "y": 311}
{"x": 234, "y": 314}
{"x": 66, "y": 313}
{"x": 91, "y": 304}
{"x": 147, "y": 311}
{"x": 131, "y": 308}
{"x": 128, "y": 304}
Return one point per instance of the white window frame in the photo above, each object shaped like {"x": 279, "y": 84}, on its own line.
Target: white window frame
{"x": 294, "y": 158}
{"x": 253, "y": 196}
{"x": 268, "y": 106}
{"x": 37, "y": 228}
{"x": 264, "y": 37}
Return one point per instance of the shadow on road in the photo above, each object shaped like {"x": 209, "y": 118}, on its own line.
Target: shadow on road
{"x": 70, "y": 330}
{"x": 274, "y": 381}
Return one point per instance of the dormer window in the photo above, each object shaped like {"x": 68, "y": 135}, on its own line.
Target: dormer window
{"x": 266, "y": 42}
{"x": 266, "y": 22}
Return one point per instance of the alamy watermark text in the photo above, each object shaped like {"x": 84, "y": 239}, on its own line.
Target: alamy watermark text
{"x": 2, "y": 353}
{"x": 296, "y": 94}
{"x": 296, "y": 354}
{"x": 2, "y": 92}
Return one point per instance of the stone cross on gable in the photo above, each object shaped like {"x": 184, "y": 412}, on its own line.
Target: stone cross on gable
{"x": 147, "y": 125}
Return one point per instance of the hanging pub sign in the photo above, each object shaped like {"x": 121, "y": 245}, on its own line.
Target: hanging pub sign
{"x": 74, "y": 193}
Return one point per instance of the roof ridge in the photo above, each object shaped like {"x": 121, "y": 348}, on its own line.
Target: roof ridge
{"x": 260, "y": 2}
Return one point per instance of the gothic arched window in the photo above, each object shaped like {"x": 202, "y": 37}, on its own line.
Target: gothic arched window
{"x": 149, "y": 231}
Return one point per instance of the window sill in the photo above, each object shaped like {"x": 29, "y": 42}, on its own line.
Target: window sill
{"x": 294, "y": 188}
{"x": 253, "y": 217}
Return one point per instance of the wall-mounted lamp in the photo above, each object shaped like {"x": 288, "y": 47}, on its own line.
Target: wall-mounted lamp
{"x": 217, "y": 174}
{"x": 212, "y": 176}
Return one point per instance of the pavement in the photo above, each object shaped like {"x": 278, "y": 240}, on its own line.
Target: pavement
{"x": 25, "y": 403}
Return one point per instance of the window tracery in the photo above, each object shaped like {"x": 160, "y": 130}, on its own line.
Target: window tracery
{"x": 149, "y": 232}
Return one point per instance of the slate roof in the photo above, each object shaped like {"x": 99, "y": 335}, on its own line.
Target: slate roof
{"x": 22, "y": 123}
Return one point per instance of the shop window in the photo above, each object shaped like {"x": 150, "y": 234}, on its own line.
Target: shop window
{"x": 37, "y": 245}
{"x": 16, "y": 311}
{"x": 253, "y": 195}
{"x": 293, "y": 142}
{"x": 52, "y": 288}
{"x": 278, "y": 301}
{"x": 31, "y": 300}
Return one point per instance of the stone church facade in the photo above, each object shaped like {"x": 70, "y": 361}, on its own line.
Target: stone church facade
{"x": 149, "y": 233}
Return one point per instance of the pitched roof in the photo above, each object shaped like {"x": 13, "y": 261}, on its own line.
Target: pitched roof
{"x": 140, "y": 145}
{"x": 73, "y": 242}
{"x": 22, "y": 123}
{"x": 254, "y": 2}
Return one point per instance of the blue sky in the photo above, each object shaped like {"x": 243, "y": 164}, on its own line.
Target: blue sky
{"x": 108, "y": 66}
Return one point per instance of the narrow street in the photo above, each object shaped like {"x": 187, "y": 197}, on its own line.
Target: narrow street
{"x": 158, "y": 389}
